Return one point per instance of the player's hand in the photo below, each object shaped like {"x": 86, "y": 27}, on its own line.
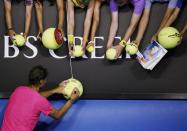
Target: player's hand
{"x": 61, "y": 86}
{"x": 59, "y": 89}
{"x": 25, "y": 36}
{"x": 39, "y": 35}
{"x": 141, "y": 60}
{"x": 62, "y": 31}
{"x": 11, "y": 33}
{"x": 108, "y": 46}
{"x": 181, "y": 37}
{"x": 63, "y": 83}
{"x": 154, "y": 38}
{"x": 137, "y": 42}
{"x": 74, "y": 95}
{"x": 119, "y": 50}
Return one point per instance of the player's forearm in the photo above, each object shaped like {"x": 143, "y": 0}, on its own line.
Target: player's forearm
{"x": 87, "y": 25}
{"x": 8, "y": 13}
{"x": 60, "y": 113}
{"x": 39, "y": 10}
{"x": 113, "y": 29}
{"x": 28, "y": 19}
{"x": 142, "y": 25}
{"x": 173, "y": 17}
{"x": 95, "y": 25}
{"x": 184, "y": 29}
{"x": 70, "y": 17}
{"x": 87, "y": 22}
{"x": 95, "y": 19}
{"x": 165, "y": 19}
{"x": 60, "y": 6}
{"x": 48, "y": 93}
{"x": 132, "y": 27}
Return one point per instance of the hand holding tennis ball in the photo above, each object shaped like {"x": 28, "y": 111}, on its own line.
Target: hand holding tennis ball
{"x": 111, "y": 54}
{"x": 77, "y": 51}
{"x": 19, "y": 40}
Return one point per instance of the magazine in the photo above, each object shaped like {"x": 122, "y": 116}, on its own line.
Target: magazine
{"x": 151, "y": 56}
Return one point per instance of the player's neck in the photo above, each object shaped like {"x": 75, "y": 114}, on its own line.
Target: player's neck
{"x": 35, "y": 87}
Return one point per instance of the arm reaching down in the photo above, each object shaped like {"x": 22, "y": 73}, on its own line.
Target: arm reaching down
{"x": 8, "y": 17}
{"x": 58, "y": 113}
{"x": 28, "y": 15}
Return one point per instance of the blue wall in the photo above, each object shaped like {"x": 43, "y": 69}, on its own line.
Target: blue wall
{"x": 117, "y": 115}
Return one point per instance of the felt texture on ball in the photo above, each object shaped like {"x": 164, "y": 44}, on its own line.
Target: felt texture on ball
{"x": 111, "y": 54}
{"x": 169, "y": 37}
{"x": 131, "y": 48}
{"x": 70, "y": 85}
{"x": 77, "y": 51}
{"x": 19, "y": 40}
{"x": 48, "y": 39}
{"x": 90, "y": 48}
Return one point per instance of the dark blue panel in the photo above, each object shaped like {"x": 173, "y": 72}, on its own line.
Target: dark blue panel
{"x": 117, "y": 115}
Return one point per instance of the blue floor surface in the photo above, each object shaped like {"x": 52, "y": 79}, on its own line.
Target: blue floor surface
{"x": 116, "y": 115}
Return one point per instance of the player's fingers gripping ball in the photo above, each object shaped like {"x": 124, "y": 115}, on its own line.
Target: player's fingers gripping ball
{"x": 52, "y": 38}
{"x": 19, "y": 40}
{"x": 131, "y": 48}
{"x": 169, "y": 37}
{"x": 111, "y": 54}
{"x": 78, "y": 51}
{"x": 90, "y": 47}
{"x": 70, "y": 86}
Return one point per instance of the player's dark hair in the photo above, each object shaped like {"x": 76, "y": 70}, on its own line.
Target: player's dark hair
{"x": 37, "y": 74}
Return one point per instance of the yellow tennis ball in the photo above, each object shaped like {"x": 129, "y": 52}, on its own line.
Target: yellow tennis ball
{"x": 78, "y": 51}
{"x": 169, "y": 37}
{"x": 90, "y": 48}
{"x": 48, "y": 39}
{"x": 131, "y": 48}
{"x": 111, "y": 54}
{"x": 19, "y": 40}
{"x": 69, "y": 87}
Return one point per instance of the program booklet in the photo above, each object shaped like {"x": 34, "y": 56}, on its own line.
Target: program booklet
{"x": 151, "y": 56}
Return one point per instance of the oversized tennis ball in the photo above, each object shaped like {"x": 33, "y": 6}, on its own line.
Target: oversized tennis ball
{"x": 77, "y": 51}
{"x": 52, "y": 38}
{"x": 70, "y": 85}
{"x": 131, "y": 48}
{"x": 111, "y": 54}
{"x": 169, "y": 37}
{"x": 19, "y": 40}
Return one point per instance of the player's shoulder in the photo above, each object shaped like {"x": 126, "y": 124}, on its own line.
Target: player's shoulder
{"x": 24, "y": 90}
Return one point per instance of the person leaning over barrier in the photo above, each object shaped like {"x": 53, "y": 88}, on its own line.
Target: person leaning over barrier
{"x": 26, "y": 103}
{"x": 8, "y": 16}
{"x": 39, "y": 15}
{"x": 170, "y": 15}
{"x": 174, "y": 7}
{"x": 114, "y": 22}
{"x": 71, "y": 4}
{"x": 138, "y": 9}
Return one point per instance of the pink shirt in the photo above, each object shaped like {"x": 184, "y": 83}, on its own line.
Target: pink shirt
{"x": 23, "y": 110}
